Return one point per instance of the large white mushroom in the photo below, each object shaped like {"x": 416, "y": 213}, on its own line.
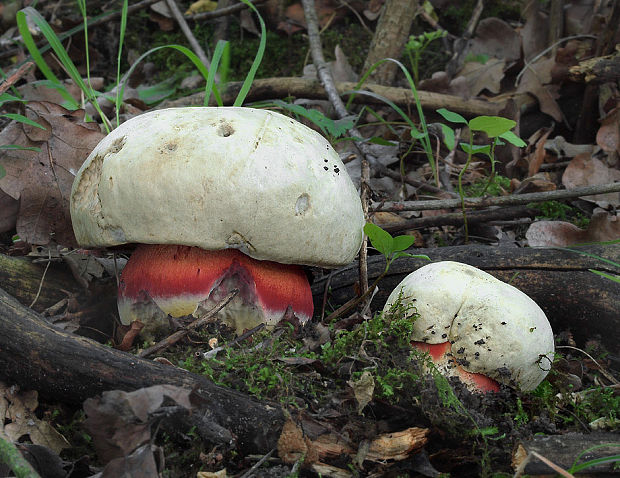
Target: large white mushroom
{"x": 218, "y": 198}
{"x": 477, "y": 327}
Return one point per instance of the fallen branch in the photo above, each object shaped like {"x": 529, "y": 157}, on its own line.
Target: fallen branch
{"x": 510, "y": 200}
{"x": 564, "y": 451}
{"x": 69, "y": 368}
{"x": 269, "y": 88}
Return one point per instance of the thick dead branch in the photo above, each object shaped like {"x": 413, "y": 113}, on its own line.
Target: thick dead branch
{"x": 511, "y": 200}
{"x": 563, "y": 450}
{"x": 270, "y": 88}
{"x": 559, "y": 281}
{"x": 23, "y": 279}
{"x": 597, "y": 70}
{"x": 66, "y": 367}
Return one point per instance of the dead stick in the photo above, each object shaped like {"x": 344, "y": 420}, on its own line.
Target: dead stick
{"x": 195, "y": 325}
{"x": 327, "y": 80}
{"x": 14, "y": 77}
{"x": 178, "y": 16}
{"x": 456, "y": 218}
{"x": 511, "y": 200}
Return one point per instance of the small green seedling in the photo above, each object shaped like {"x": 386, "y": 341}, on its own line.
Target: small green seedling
{"x": 391, "y": 247}
{"x": 416, "y": 46}
{"x": 330, "y": 128}
{"x": 496, "y": 129}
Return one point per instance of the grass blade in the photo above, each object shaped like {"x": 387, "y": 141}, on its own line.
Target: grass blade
{"x": 249, "y": 79}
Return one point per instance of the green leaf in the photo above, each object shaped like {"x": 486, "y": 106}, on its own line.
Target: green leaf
{"x": 400, "y": 243}
{"x": 6, "y": 97}
{"x": 380, "y": 239}
{"x": 492, "y": 125}
{"x": 476, "y": 148}
{"x": 249, "y": 79}
{"x": 381, "y": 141}
{"x": 416, "y": 134}
{"x": 615, "y": 278}
{"x": 2, "y": 171}
{"x": 22, "y": 119}
{"x": 21, "y": 148}
{"x": 448, "y": 136}
{"x": 513, "y": 139}
{"x": 451, "y": 116}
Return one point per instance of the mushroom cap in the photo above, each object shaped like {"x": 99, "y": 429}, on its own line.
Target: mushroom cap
{"x": 494, "y": 328}
{"x": 219, "y": 178}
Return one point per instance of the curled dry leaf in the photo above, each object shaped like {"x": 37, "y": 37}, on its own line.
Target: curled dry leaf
{"x": 536, "y": 80}
{"x": 585, "y": 170}
{"x": 41, "y": 181}
{"x": 363, "y": 390}
{"x": 17, "y": 410}
{"x": 119, "y": 421}
{"x": 603, "y": 227}
{"x": 608, "y": 135}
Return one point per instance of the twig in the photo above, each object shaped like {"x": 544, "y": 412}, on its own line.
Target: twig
{"x": 178, "y": 16}
{"x": 241, "y": 338}
{"x": 47, "y": 266}
{"x": 607, "y": 375}
{"x": 325, "y": 76}
{"x": 250, "y": 472}
{"x": 199, "y": 322}
{"x": 511, "y": 200}
{"x": 552, "y": 465}
{"x": 15, "y": 76}
{"x": 456, "y": 218}
{"x": 529, "y": 64}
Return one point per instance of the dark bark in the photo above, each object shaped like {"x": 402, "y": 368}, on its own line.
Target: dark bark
{"x": 563, "y": 450}
{"x": 21, "y": 278}
{"x": 69, "y": 368}
{"x": 559, "y": 281}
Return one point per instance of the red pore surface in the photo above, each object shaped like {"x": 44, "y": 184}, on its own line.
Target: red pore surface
{"x": 441, "y": 355}
{"x": 170, "y": 272}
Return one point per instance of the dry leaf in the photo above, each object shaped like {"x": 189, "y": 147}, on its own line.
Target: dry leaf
{"x": 479, "y": 77}
{"x": 585, "y": 170}
{"x": 535, "y": 33}
{"x": 536, "y": 80}
{"x": 42, "y": 180}
{"x": 17, "y": 411}
{"x": 363, "y": 390}
{"x": 536, "y": 158}
{"x": 603, "y": 227}
{"x": 608, "y": 135}
{"x": 119, "y": 421}
{"x": 497, "y": 39}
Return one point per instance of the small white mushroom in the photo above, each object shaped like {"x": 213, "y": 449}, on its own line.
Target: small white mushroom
{"x": 477, "y": 327}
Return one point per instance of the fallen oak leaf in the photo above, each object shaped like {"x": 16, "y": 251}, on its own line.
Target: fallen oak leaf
{"x": 41, "y": 180}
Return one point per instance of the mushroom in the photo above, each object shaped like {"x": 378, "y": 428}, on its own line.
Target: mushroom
{"x": 475, "y": 326}
{"x": 217, "y": 198}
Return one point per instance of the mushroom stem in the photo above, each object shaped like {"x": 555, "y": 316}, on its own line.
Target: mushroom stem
{"x": 180, "y": 278}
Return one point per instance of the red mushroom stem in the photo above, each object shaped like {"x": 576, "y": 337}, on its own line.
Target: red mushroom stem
{"x": 178, "y": 278}
{"x": 441, "y": 355}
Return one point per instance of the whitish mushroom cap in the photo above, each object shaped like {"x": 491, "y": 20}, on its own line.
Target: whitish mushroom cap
{"x": 494, "y": 328}
{"x": 219, "y": 178}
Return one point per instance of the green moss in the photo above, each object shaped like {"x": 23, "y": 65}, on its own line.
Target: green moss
{"x": 559, "y": 211}
{"x": 498, "y": 186}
